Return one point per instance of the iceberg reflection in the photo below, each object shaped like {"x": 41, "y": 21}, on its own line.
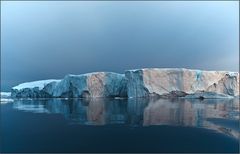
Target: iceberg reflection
{"x": 213, "y": 114}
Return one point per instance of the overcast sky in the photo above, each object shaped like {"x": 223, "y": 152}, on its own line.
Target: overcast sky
{"x": 42, "y": 40}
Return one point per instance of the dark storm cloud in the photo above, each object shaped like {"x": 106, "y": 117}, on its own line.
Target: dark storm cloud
{"x": 42, "y": 40}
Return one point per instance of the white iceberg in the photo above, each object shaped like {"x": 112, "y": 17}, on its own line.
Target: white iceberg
{"x": 147, "y": 82}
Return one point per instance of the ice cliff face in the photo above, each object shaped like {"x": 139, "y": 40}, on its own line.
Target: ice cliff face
{"x": 98, "y": 84}
{"x": 182, "y": 82}
{"x": 137, "y": 83}
{"x": 31, "y": 89}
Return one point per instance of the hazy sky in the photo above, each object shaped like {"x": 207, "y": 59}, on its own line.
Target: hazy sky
{"x": 42, "y": 40}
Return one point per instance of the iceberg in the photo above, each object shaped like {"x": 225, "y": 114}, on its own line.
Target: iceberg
{"x": 97, "y": 84}
{"x": 180, "y": 82}
{"x": 146, "y": 82}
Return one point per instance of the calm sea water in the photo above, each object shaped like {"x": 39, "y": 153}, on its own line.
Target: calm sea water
{"x": 120, "y": 125}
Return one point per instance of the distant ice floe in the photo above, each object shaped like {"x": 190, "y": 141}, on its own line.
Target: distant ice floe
{"x": 5, "y": 94}
{"x": 5, "y": 101}
{"x": 5, "y": 97}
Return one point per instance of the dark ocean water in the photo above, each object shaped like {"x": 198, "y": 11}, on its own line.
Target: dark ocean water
{"x": 120, "y": 125}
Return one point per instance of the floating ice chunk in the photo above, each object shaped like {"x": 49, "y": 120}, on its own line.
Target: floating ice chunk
{"x": 5, "y": 94}
{"x": 6, "y": 100}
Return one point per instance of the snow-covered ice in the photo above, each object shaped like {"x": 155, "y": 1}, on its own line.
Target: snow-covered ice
{"x": 35, "y": 84}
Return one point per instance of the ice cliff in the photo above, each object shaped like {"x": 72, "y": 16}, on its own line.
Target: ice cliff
{"x": 172, "y": 82}
{"x": 175, "y": 82}
{"x": 98, "y": 84}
